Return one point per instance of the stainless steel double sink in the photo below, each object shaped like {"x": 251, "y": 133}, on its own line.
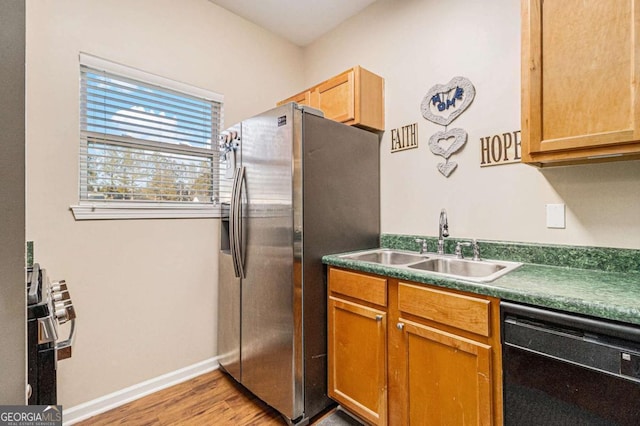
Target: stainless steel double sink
{"x": 444, "y": 265}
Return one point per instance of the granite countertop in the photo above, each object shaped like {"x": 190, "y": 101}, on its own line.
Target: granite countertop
{"x": 609, "y": 294}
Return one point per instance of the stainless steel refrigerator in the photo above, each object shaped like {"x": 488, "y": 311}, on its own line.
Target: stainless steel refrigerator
{"x": 294, "y": 186}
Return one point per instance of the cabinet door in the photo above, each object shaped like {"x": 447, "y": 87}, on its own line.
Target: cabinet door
{"x": 303, "y": 98}
{"x": 357, "y": 359}
{"x": 580, "y": 79}
{"x": 336, "y": 97}
{"x": 448, "y": 377}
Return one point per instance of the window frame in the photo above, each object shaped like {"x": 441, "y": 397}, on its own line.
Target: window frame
{"x": 114, "y": 209}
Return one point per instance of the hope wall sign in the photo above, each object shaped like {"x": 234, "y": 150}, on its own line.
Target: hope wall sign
{"x": 500, "y": 149}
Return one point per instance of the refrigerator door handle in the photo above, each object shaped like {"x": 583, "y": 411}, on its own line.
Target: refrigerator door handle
{"x": 237, "y": 231}
{"x": 232, "y": 222}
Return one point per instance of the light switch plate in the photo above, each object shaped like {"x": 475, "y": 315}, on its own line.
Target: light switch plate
{"x": 556, "y": 216}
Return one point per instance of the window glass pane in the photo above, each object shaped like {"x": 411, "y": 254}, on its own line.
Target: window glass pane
{"x": 116, "y": 106}
{"x": 144, "y": 143}
{"x": 123, "y": 173}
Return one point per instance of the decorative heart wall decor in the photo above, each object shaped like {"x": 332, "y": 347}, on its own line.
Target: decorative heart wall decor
{"x": 443, "y": 103}
{"x": 440, "y": 145}
{"x": 447, "y": 168}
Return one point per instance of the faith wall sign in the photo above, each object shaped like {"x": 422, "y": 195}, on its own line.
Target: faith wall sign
{"x": 406, "y": 137}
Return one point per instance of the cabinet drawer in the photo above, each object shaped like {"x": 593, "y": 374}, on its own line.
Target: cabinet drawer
{"x": 364, "y": 287}
{"x": 456, "y": 310}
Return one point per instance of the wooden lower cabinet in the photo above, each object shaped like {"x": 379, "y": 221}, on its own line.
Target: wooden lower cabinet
{"x": 357, "y": 359}
{"x": 447, "y": 377}
{"x": 418, "y": 355}
{"x": 357, "y": 346}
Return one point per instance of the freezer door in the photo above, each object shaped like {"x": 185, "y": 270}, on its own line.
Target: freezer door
{"x": 271, "y": 354}
{"x": 228, "y": 284}
{"x": 228, "y": 314}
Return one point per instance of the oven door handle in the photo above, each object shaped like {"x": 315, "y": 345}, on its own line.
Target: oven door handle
{"x": 63, "y": 349}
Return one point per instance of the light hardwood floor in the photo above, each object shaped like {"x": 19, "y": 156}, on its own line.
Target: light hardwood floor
{"x": 210, "y": 399}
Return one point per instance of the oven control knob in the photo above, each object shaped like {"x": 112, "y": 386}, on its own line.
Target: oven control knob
{"x": 64, "y": 311}
{"x": 60, "y": 296}
{"x": 59, "y": 286}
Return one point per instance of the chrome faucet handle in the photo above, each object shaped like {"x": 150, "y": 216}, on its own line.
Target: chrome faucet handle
{"x": 423, "y": 245}
{"x": 473, "y": 243}
{"x": 459, "y": 245}
{"x": 476, "y": 249}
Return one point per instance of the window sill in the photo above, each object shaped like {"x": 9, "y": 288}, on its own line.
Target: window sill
{"x": 96, "y": 211}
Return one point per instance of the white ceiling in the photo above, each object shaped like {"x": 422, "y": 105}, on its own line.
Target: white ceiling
{"x": 299, "y": 21}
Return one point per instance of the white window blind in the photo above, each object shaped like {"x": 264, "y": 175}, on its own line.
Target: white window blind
{"x": 146, "y": 146}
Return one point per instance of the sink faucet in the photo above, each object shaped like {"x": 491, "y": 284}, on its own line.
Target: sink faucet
{"x": 443, "y": 230}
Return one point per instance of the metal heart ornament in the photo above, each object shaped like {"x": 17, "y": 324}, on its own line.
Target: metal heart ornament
{"x": 438, "y": 142}
{"x": 443, "y": 103}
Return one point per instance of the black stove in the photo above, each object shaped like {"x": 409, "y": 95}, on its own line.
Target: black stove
{"x": 49, "y": 305}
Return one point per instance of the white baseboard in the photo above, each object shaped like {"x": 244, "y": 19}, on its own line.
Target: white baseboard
{"x": 108, "y": 402}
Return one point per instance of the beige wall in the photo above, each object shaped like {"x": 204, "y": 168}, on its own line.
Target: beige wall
{"x": 415, "y": 44}
{"x": 145, "y": 290}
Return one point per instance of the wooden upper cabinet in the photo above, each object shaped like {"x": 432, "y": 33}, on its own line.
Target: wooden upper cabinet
{"x": 580, "y": 81}
{"x": 354, "y": 97}
{"x": 336, "y": 97}
{"x": 302, "y": 98}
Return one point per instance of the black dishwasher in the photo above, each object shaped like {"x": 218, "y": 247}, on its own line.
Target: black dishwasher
{"x": 566, "y": 369}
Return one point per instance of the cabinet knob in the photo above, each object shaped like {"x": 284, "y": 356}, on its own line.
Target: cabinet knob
{"x": 378, "y": 318}
{"x": 400, "y": 326}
